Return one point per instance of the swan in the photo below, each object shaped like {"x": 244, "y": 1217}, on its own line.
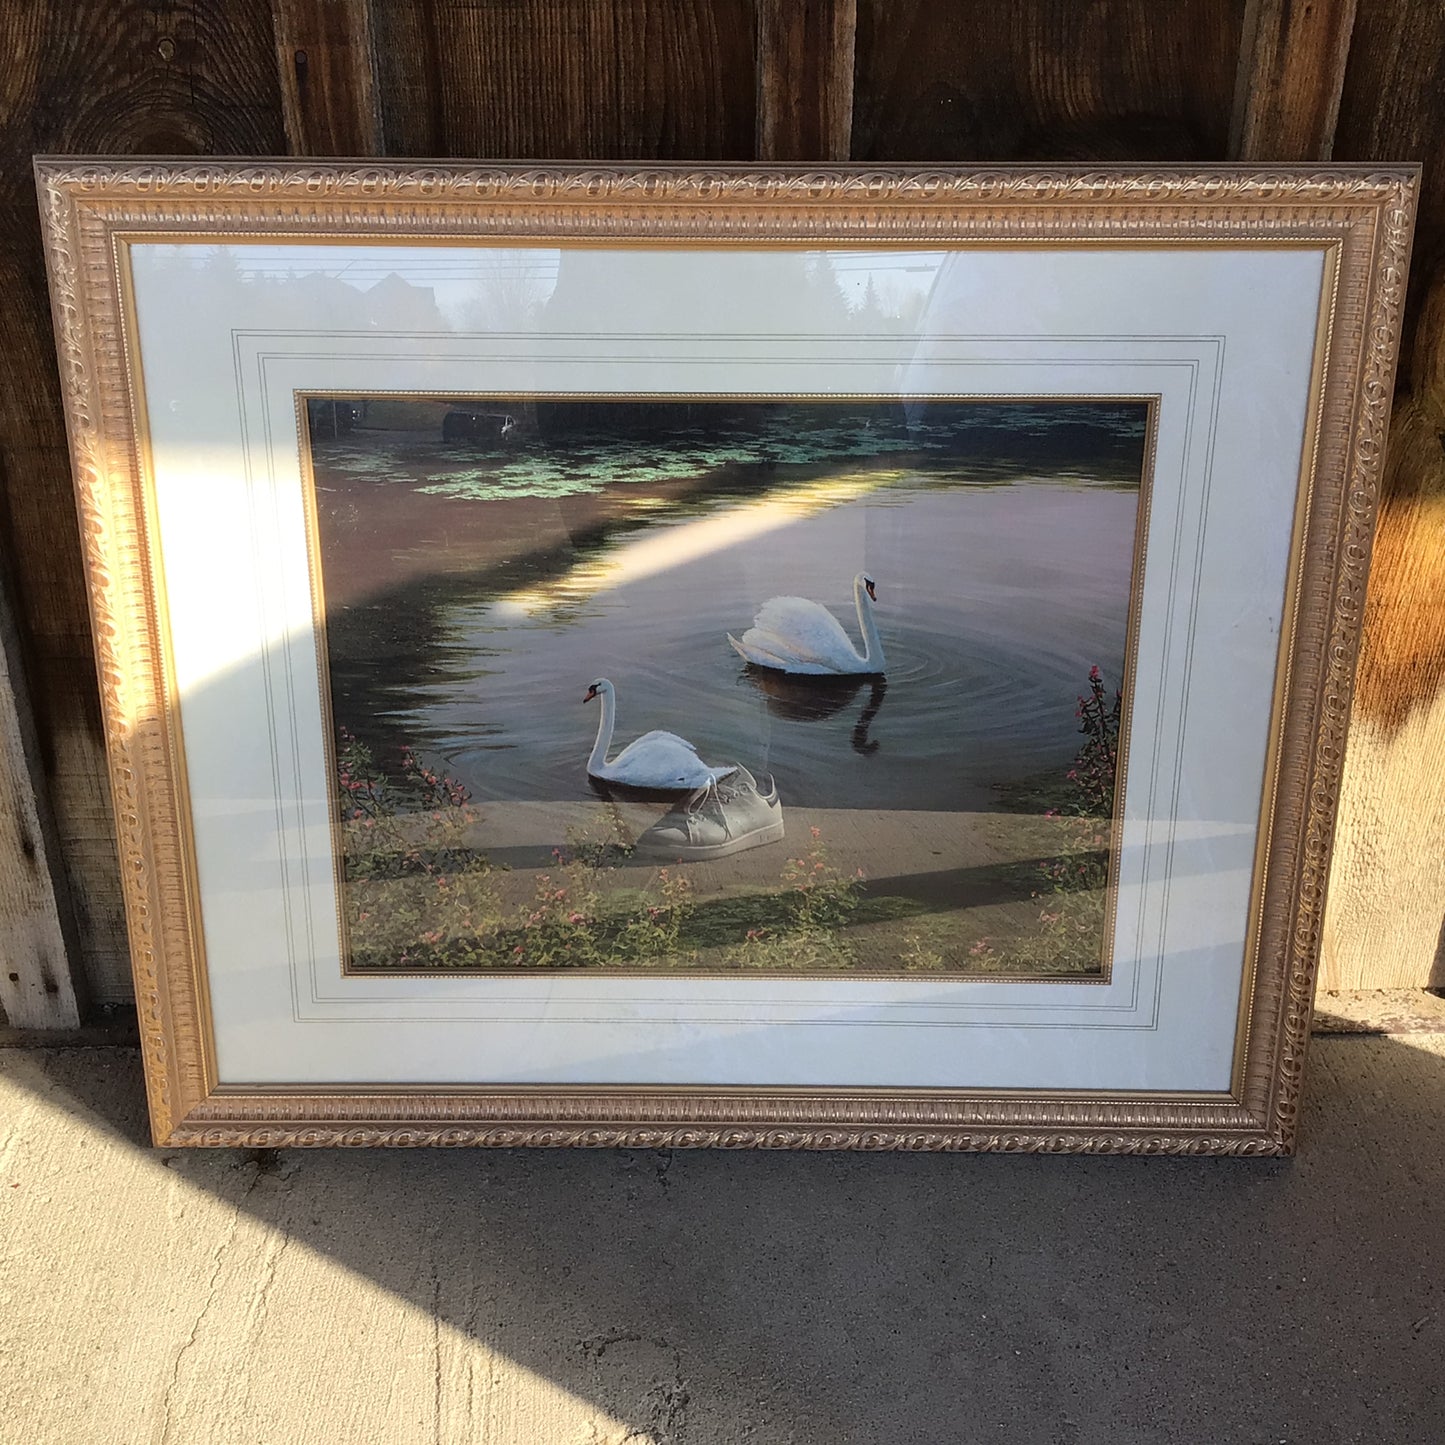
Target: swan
{"x": 791, "y": 634}
{"x": 657, "y": 760}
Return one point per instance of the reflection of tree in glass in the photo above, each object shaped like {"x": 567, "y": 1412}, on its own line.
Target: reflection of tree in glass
{"x": 509, "y": 301}
{"x": 291, "y": 297}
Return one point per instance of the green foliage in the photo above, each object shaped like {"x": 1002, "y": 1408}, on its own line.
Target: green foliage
{"x": 416, "y": 895}
{"x": 920, "y": 954}
{"x": 816, "y": 904}
{"x": 1097, "y": 760}
{"x": 1072, "y": 885}
{"x": 601, "y": 846}
{"x": 574, "y": 923}
{"x": 655, "y": 929}
{"x": 419, "y": 896}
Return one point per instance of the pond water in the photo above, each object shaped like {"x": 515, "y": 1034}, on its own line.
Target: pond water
{"x": 468, "y": 612}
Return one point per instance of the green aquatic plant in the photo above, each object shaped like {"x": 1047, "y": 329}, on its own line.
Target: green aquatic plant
{"x": 584, "y": 463}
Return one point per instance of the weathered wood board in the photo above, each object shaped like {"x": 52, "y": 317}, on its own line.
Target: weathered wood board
{"x": 874, "y": 80}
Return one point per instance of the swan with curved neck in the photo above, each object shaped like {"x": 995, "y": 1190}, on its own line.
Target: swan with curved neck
{"x": 792, "y": 634}
{"x": 659, "y": 761}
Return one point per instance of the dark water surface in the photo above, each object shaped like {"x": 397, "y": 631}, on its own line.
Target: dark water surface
{"x": 467, "y": 615}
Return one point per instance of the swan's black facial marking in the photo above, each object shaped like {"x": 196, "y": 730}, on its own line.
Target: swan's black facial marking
{"x": 872, "y": 593}
{"x": 591, "y": 693}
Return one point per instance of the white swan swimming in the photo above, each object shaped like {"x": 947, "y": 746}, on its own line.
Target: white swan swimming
{"x": 657, "y": 760}
{"x": 791, "y": 634}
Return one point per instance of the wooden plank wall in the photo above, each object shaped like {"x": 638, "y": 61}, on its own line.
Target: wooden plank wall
{"x": 875, "y": 80}
{"x": 1385, "y": 924}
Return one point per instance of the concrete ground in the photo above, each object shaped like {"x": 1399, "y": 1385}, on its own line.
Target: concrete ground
{"x": 574, "y": 1298}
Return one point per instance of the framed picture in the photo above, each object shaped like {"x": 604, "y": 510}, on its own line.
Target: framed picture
{"x": 742, "y": 657}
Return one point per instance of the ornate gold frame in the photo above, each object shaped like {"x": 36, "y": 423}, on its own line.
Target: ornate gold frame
{"x": 1361, "y": 217}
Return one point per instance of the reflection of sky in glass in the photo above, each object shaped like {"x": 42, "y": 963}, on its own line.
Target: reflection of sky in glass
{"x": 467, "y": 282}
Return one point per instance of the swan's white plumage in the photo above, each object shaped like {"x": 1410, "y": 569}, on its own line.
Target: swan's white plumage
{"x": 792, "y": 634}
{"x": 657, "y": 760}
{"x": 755, "y": 652}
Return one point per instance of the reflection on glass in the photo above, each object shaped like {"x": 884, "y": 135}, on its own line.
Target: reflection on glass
{"x": 485, "y": 563}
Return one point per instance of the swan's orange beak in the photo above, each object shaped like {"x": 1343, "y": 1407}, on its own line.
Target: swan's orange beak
{"x": 872, "y": 592}
{"x": 591, "y": 693}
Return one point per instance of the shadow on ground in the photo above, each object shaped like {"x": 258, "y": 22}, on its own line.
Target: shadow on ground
{"x": 716, "y": 1298}
{"x": 823, "y": 1297}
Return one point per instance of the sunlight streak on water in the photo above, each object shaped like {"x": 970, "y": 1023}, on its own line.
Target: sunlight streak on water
{"x": 993, "y": 603}
{"x": 474, "y": 610}
{"x": 682, "y": 543}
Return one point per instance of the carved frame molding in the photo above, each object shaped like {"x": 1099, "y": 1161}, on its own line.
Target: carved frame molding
{"x": 1366, "y": 214}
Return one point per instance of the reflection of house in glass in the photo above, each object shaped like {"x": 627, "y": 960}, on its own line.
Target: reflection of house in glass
{"x": 297, "y": 299}
{"x": 394, "y": 304}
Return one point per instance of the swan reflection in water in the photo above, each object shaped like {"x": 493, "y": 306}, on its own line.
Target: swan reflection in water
{"x": 812, "y": 699}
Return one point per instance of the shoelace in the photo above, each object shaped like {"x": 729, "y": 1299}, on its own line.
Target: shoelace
{"x": 717, "y": 791}
{"x": 709, "y": 792}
